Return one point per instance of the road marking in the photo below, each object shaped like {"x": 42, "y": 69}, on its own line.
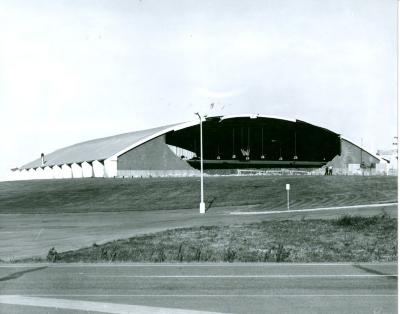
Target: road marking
{"x": 208, "y": 295}
{"x": 72, "y": 265}
{"x": 244, "y": 276}
{"x": 101, "y": 307}
{"x": 312, "y": 209}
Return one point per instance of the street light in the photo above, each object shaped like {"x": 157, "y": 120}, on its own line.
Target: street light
{"x": 202, "y": 204}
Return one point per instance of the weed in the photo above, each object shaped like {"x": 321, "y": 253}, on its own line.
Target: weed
{"x": 229, "y": 255}
{"x": 179, "y": 256}
{"x": 363, "y": 239}
{"x": 197, "y": 254}
{"x": 359, "y": 222}
{"x": 281, "y": 253}
{"x": 53, "y": 255}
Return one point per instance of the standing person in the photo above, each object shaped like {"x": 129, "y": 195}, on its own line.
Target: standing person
{"x": 326, "y": 170}
{"x": 330, "y": 170}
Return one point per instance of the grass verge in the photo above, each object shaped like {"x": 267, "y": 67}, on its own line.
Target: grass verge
{"x": 112, "y": 195}
{"x": 347, "y": 239}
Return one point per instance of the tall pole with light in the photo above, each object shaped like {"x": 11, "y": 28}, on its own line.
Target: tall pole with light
{"x": 202, "y": 204}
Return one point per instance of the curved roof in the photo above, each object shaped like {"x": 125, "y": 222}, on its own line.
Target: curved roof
{"x": 113, "y": 146}
{"x": 98, "y": 149}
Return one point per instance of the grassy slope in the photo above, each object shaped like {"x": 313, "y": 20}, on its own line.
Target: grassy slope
{"x": 348, "y": 239}
{"x": 93, "y": 195}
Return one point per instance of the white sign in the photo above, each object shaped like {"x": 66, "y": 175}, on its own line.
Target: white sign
{"x": 287, "y": 187}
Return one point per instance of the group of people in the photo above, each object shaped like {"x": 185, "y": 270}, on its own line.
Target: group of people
{"x": 328, "y": 170}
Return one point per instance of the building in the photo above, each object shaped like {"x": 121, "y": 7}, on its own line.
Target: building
{"x": 391, "y": 156}
{"x": 249, "y": 141}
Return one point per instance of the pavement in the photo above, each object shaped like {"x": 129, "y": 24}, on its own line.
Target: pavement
{"x": 198, "y": 288}
{"x": 27, "y": 235}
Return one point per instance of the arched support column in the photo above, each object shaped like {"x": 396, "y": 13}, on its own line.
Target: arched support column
{"x": 48, "y": 173}
{"x": 98, "y": 169}
{"x": 39, "y": 173}
{"x": 110, "y": 168}
{"x": 57, "y": 172}
{"x": 76, "y": 171}
{"x": 66, "y": 171}
{"x": 32, "y": 174}
{"x": 87, "y": 170}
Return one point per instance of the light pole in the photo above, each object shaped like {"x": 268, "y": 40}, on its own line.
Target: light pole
{"x": 202, "y": 204}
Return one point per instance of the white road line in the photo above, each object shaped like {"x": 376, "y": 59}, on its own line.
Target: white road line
{"x": 179, "y": 265}
{"x": 245, "y": 276}
{"x": 207, "y": 295}
{"x": 101, "y": 307}
{"x": 312, "y": 209}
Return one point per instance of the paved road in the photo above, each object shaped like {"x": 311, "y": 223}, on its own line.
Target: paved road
{"x": 26, "y": 235}
{"x": 198, "y": 288}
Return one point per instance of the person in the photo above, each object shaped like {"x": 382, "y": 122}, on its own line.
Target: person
{"x": 330, "y": 170}
{"x": 326, "y": 170}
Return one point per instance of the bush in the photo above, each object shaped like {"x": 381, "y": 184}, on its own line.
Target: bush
{"x": 229, "y": 255}
{"x": 53, "y": 255}
{"x": 359, "y": 222}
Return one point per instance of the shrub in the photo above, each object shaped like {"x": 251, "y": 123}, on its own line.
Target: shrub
{"x": 53, "y": 255}
{"x": 179, "y": 257}
{"x": 359, "y": 222}
{"x": 229, "y": 255}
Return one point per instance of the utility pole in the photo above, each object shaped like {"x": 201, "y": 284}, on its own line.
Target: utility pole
{"x": 202, "y": 204}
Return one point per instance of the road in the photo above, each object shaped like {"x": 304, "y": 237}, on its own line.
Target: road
{"x": 27, "y": 235}
{"x": 198, "y": 288}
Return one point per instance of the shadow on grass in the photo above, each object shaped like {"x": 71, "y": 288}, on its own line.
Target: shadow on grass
{"x": 21, "y": 273}
{"x": 210, "y": 204}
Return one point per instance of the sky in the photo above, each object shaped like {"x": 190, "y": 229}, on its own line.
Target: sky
{"x": 72, "y": 71}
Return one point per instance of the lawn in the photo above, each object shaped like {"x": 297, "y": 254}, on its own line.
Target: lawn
{"x": 262, "y": 192}
{"x": 346, "y": 239}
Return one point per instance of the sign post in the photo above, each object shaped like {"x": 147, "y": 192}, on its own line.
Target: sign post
{"x": 287, "y": 192}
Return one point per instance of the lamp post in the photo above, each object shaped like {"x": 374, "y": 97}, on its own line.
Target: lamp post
{"x": 202, "y": 204}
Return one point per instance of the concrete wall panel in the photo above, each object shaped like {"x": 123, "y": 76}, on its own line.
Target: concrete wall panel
{"x": 98, "y": 169}
{"x": 153, "y": 155}
{"x": 57, "y": 172}
{"x": 352, "y": 154}
{"x": 87, "y": 170}
{"x": 32, "y": 174}
{"x": 48, "y": 173}
{"x": 39, "y": 173}
{"x": 66, "y": 171}
{"x": 76, "y": 171}
{"x": 110, "y": 168}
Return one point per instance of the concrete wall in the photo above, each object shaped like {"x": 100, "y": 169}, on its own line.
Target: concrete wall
{"x": 153, "y": 155}
{"x": 352, "y": 154}
{"x": 350, "y": 159}
{"x": 157, "y": 173}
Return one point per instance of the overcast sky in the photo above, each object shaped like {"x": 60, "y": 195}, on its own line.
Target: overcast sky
{"x": 71, "y": 71}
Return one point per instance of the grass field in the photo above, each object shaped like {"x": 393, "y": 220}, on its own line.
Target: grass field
{"x": 347, "y": 239}
{"x": 267, "y": 193}
{"x": 71, "y": 214}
